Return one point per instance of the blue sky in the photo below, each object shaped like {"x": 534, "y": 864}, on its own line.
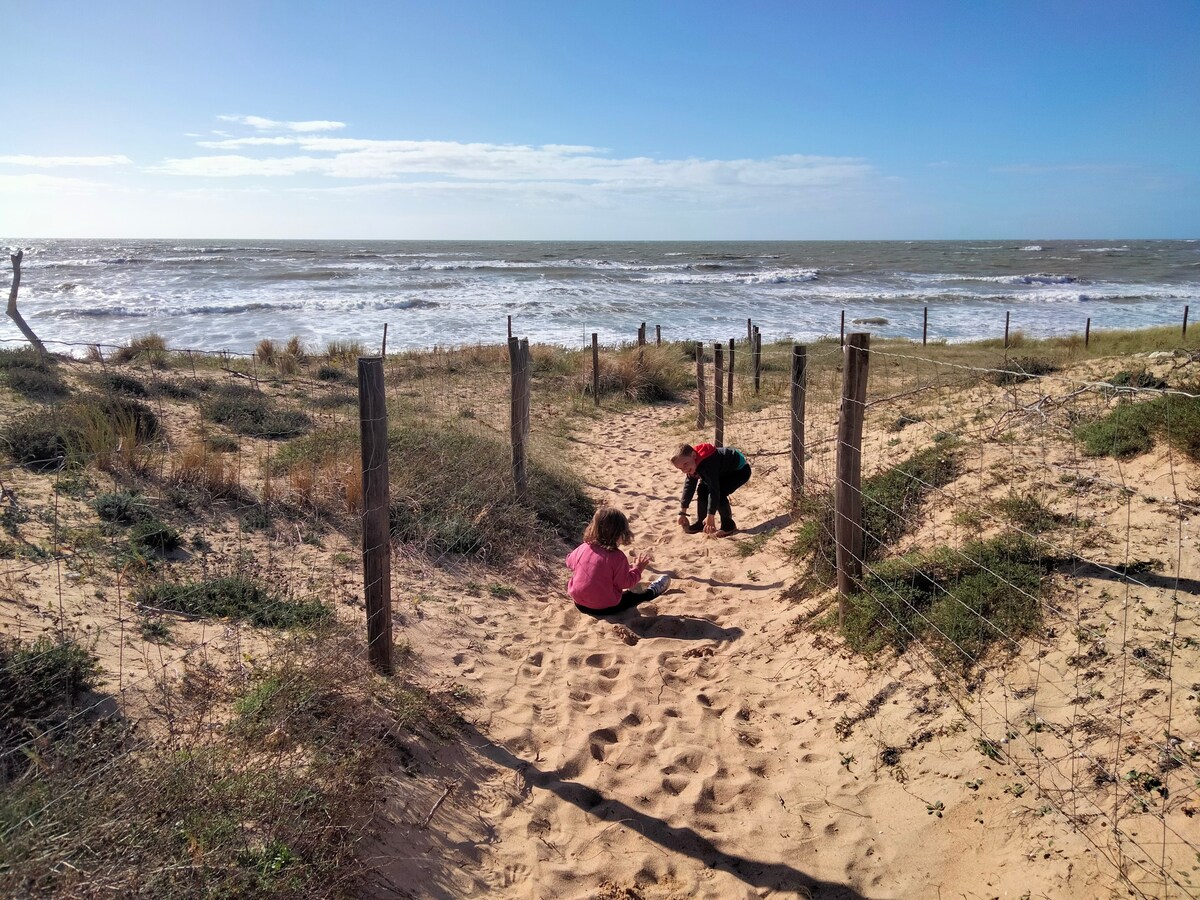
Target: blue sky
{"x": 522, "y": 120}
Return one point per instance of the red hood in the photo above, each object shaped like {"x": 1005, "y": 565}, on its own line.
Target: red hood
{"x": 703, "y": 452}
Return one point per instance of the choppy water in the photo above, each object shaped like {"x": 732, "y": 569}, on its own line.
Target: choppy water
{"x": 229, "y": 294}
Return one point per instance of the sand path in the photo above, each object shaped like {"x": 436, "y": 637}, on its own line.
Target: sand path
{"x": 707, "y": 745}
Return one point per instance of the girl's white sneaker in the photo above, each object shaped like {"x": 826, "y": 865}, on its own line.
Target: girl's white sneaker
{"x": 660, "y": 584}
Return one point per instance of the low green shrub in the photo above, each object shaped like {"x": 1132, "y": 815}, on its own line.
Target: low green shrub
{"x": 1024, "y": 368}
{"x": 958, "y": 602}
{"x": 122, "y": 507}
{"x": 39, "y": 676}
{"x": 234, "y": 597}
{"x": 152, "y": 536}
{"x": 243, "y": 410}
{"x": 1131, "y": 427}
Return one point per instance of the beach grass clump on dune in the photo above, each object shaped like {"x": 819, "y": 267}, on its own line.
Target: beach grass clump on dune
{"x": 1023, "y": 368}
{"x": 890, "y": 500}
{"x": 246, "y": 411}
{"x": 148, "y": 348}
{"x": 641, "y": 374}
{"x": 1132, "y": 427}
{"x": 90, "y": 428}
{"x": 122, "y": 507}
{"x": 239, "y": 597}
{"x": 33, "y": 375}
{"x": 452, "y": 492}
{"x": 958, "y": 602}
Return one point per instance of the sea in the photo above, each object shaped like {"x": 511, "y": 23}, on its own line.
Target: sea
{"x": 227, "y": 295}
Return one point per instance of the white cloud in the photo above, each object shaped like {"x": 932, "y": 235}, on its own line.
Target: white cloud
{"x": 53, "y": 162}
{"x": 31, "y": 184}
{"x": 488, "y": 164}
{"x": 262, "y": 124}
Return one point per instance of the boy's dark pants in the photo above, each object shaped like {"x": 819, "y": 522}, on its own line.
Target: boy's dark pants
{"x": 731, "y": 483}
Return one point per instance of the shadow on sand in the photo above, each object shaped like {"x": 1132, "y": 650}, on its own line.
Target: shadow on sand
{"x": 774, "y": 876}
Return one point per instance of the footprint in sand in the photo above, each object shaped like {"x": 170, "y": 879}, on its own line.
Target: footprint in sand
{"x": 599, "y": 741}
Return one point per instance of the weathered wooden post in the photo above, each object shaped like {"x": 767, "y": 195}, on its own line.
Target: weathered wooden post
{"x": 1087, "y": 333}
{"x": 657, "y": 335}
{"x": 799, "y": 395}
{"x": 518, "y": 356}
{"x": 842, "y": 338}
{"x": 749, "y": 333}
{"x": 757, "y": 357}
{"x": 595, "y": 368}
{"x": 729, "y": 392}
{"x": 925, "y": 327}
{"x": 719, "y": 394}
{"x": 15, "y": 314}
{"x": 642, "y": 335}
{"x": 377, "y": 544}
{"x": 510, "y": 328}
{"x": 847, "y": 498}
{"x": 1185, "y": 312}
{"x": 700, "y": 412}
{"x": 1007, "y": 314}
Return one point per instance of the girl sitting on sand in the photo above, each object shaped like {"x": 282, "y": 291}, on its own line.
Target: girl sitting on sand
{"x": 601, "y": 576}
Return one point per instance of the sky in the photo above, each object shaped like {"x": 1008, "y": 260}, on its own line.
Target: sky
{"x": 644, "y": 120}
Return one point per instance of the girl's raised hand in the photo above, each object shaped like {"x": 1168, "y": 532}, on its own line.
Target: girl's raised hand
{"x": 644, "y": 559}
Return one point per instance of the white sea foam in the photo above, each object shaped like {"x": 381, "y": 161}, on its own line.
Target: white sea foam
{"x": 1103, "y": 249}
{"x": 1033, "y": 248}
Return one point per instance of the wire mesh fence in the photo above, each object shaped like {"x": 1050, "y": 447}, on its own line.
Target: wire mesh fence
{"x": 1027, "y": 534}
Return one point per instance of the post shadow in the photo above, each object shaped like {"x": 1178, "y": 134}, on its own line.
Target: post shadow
{"x": 775, "y": 876}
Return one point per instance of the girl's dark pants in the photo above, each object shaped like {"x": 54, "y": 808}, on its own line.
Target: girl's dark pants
{"x": 629, "y": 599}
{"x": 730, "y": 483}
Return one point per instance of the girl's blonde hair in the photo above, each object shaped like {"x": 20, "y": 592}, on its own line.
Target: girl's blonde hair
{"x": 608, "y": 528}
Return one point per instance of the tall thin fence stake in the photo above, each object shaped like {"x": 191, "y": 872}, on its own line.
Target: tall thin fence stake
{"x": 842, "y": 338}
{"x": 510, "y": 328}
{"x": 377, "y": 545}
{"x": 757, "y": 357}
{"x": 657, "y": 335}
{"x": 1007, "y": 315}
{"x": 799, "y": 391}
{"x": 1185, "y": 312}
{"x": 925, "y": 327}
{"x": 700, "y": 413}
{"x": 518, "y": 356}
{"x": 729, "y": 391}
{"x": 719, "y": 394}
{"x": 847, "y": 498}
{"x": 595, "y": 368}
{"x": 1087, "y": 333}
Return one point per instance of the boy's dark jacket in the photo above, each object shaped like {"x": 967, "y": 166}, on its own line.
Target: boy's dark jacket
{"x": 714, "y": 462}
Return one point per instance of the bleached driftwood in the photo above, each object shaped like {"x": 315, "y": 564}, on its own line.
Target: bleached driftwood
{"x": 12, "y": 304}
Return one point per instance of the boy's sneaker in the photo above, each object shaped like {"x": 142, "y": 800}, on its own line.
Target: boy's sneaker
{"x": 660, "y": 584}
{"x": 727, "y": 532}
{"x": 695, "y": 527}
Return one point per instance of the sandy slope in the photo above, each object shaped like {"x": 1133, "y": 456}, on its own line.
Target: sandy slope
{"x": 712, "y": 745}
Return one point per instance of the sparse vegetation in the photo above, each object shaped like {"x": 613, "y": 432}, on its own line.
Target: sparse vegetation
{"x": 122, "y": 507}
{"x": 149, "y": 348}
{"x": 234, "y": 597}
{"x": 1024, "y": 368}
{"x": 243, "y": 410}
{"x": 32, "y": 375}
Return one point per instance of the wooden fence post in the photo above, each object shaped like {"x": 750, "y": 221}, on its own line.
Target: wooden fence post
{"x": 719, "y": 394}
{"x": 847, "y": 498}
{"x": 642, "y": 335}
{"x": 377, "y": 544}
{"x": 749, "y": 333}
{"x": 518, "y": 356}
{"x": 595, "y": 368}
{"x": 842, "y": 339}
{"x": 510, "y": 328}
{"x": 799, "y": 392}
{"x": 1007, "y": 314}
{"x": 657, "y": 335}
{"x": 1185, "y": 312}
{"x": 757, "y": 349}
{"x": 729, "y": 392}
{"x": 700, "y": 413}
{"x": 1087, "y": 333}
{"x": 925, "y": 327}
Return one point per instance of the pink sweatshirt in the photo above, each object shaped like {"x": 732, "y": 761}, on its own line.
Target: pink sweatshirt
{"x": 599, "y": 575}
